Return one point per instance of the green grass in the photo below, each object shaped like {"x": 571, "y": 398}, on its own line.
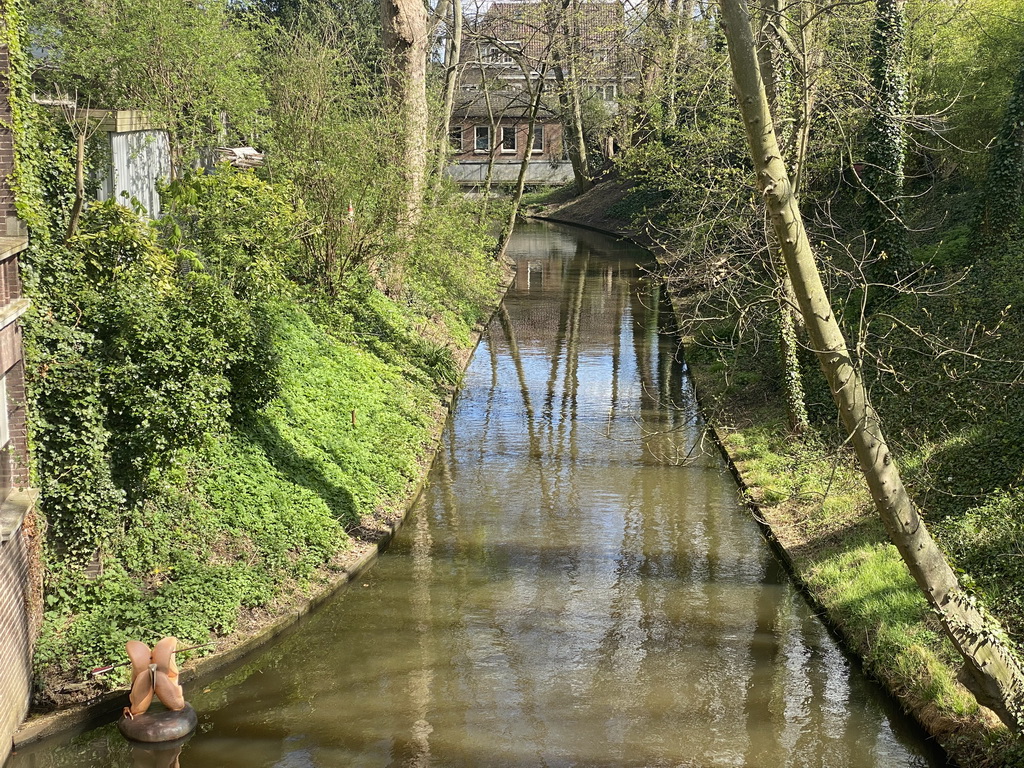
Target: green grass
{"x": 258, "y": 509}
{"x": 870, "y": 594}
{"x": 549, "y": 195}
{"x": 778, "y": 469}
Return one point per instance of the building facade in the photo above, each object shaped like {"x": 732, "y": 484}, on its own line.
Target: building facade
{"x": 507, "y": 53}
{"x": 490, "y": 136}
{"x": 19, "y": 544}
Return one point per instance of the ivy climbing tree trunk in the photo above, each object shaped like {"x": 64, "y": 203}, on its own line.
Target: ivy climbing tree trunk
{"x": 990, "y": 670}
{"x": 405, "y": 35}
{"x": 886, "y": 148}
{"x": 1004, "y": 193}
{"x": 779, "y": 89}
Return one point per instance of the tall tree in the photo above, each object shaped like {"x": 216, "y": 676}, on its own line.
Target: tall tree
{"x": 990, "y": 670}
{"x": 452, "y": 55}
{"x": 1004, "y": 192}
{"x": 192, "y": 66}
{"x": 772, "y": 59}
{"x": 405, "y": 35}
{"x": 564, "y": 15}
{"x": 886, "y": 149}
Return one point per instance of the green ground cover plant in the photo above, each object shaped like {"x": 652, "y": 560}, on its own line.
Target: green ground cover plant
{"x": 213, "y": 424}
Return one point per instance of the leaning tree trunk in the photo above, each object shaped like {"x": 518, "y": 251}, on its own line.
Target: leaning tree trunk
{"x": 887, "y": 146}
{"x": 524, "y": 166}
{"x": 405, "y": 35}
{"x": 990, "y": 670}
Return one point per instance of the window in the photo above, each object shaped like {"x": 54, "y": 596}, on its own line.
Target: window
{"x": 502, "y": 51}
{"x": 538, "y": 138}
{"x": 483, "y": 139}
{"x": 455, "y": 137}
{"x": 508, "y": 138}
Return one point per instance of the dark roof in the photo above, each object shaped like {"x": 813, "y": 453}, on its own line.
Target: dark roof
{"x": 596, "y": 26}
{"x": 510, "y": 103}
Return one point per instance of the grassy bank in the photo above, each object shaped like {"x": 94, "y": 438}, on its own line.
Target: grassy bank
{"x": 257, "y": 516}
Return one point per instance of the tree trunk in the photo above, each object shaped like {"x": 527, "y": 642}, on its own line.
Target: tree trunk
{"x": 453, "y": 53}
{"x": 565, "y": 63}
{"x": 572, "y": 130}
{"x": 778, "y": 90}
{"x": 887, "y": 146}
{"x": 1004, "y": 192}
{"x": 405, "y": 35}
{"x": 524, "y": 166}
{"x": 651, "y": 46}
{"x": 682, "y": 21}
{"x": 76, "y": 209}
{"x": 990, "y": 671}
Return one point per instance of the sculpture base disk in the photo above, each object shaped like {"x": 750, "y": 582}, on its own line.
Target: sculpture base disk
{"x": 154, "y": 727}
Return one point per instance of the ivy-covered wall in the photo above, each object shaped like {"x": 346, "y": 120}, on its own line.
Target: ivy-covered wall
{"x": 19, "y": 543}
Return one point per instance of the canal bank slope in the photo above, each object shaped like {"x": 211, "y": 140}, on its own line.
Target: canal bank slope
{"x": 813, "y": 505}
{"x": 275, "y": 465}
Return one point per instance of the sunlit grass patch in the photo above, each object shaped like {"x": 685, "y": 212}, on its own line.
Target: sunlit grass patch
{"x": 779, "y": 469}
{"x": 870, "y": 594}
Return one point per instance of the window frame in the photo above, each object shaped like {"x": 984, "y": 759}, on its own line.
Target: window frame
{"x": 538, "y": 139}
{"x": 509, "y": 131}
{"x": 486, "y": 136}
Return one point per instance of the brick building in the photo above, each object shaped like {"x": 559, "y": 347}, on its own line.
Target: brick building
{"x": 491, "y": 130}
{"x": 19, "y": 546}
{"x": 504, "y": 53}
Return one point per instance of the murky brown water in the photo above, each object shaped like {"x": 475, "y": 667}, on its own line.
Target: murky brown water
{"x": 577, "y": 586}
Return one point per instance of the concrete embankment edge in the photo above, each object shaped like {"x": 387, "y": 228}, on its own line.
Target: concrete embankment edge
{"x": 80, "y": 717}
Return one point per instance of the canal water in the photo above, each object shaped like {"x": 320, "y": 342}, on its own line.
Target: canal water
{"x": 578, "y": 585}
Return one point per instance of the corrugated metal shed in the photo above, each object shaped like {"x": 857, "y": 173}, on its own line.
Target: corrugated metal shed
{"x": 140, "y": 155}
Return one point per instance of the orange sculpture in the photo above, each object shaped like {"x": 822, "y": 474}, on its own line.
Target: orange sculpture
{"x": 154, "y": 672}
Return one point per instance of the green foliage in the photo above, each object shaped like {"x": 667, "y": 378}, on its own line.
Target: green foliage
{"x": 334, "y": 136}
{"x": 219, "y": 397}
{"x": 237, "y": 228}
{"x": 885, "y": 145}
{"x": 1002, "y": 218}
{"x": 447, "y": 271}
{"x": 963, "y": 61}
{"x": 190, "y": 65}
